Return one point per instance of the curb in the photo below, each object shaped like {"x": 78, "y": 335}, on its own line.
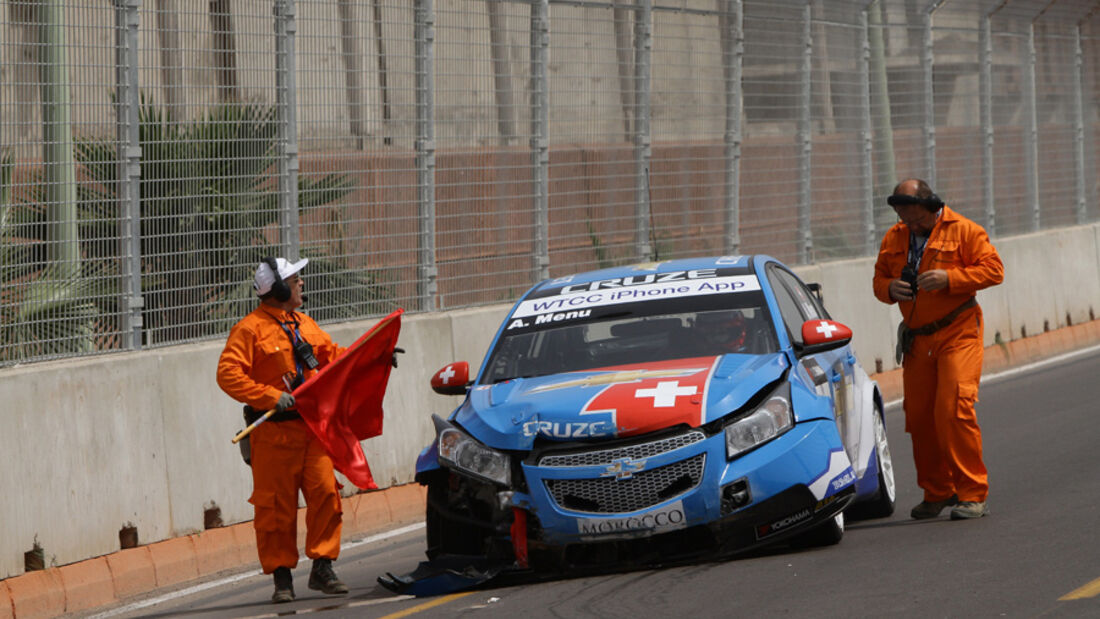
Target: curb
{"x": 1005, "y": 355}
{"x": 122, "y": 575}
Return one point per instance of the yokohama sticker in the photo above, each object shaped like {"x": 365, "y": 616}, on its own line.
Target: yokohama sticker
{"x": 770, "y": 529}
{"x": 668, "y": 518}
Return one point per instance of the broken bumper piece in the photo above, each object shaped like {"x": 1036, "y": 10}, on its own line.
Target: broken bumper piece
{"x": 446, "y": 574}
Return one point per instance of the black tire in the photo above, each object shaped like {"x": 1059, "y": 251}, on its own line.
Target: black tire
{"x": 446, "y": 535}
{"x": 885, "y": 499}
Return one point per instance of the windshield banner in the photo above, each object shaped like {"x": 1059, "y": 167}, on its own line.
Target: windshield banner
{"x": 592, "y": 297}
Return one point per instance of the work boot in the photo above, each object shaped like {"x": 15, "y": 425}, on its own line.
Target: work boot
{"x": 284, "y": 586}
{"x": 931, "y": 509}
{"x": 969, "y": 509}
{"x": 322, "y": 578}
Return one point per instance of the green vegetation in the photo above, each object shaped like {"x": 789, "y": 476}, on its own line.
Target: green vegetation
{"x": 208, "y": 214}
{"x": 43, "y": 311}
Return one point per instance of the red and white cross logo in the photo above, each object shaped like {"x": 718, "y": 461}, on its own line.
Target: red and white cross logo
{"x": 447, "y": 374}
{"x": 649, "y": 403}
{"x": 827, "y": 329}
{"x": 665, "y": 393}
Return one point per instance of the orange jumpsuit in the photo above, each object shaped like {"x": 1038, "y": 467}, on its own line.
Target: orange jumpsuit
{"x": 942, "y": 370}
{"x": 286, "y": 456}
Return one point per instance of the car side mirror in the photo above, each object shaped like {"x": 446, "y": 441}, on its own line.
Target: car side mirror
{"x": 820, "y": 335}
{"x": 452, "y": 379}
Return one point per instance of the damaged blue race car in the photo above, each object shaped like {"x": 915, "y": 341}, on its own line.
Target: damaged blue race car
{"x": 645, "y": 414}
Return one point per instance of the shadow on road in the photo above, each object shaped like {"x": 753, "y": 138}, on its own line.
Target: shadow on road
{"x": 880, "y": 524}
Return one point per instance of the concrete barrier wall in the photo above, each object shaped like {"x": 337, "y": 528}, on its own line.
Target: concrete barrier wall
{"x": 143, "y": 439}
{"x": 1052, "y": 280}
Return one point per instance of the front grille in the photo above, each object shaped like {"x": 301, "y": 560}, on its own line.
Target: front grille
{"x": 608, "y": 495}
{"x": 640, "y": 451}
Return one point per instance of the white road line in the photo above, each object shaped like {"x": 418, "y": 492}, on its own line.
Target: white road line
{"x": 381, "y": 537}
{"x": 1023, "y": 369}
{"x": 327, "y": 607}
{"x": 175, "y": 594}
{"x": 228, "y": 580}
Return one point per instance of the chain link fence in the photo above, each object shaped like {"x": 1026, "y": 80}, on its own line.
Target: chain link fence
{"x": 439, "y": 154}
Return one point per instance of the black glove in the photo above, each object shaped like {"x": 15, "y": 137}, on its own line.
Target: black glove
{"x": 286, "y": 402}
{"x": 395, "y": 351}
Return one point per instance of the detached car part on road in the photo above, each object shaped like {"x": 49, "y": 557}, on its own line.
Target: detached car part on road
{"x": 642, "y": 414}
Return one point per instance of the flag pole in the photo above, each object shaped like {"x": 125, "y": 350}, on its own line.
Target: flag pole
{"x": 245, "y": 432}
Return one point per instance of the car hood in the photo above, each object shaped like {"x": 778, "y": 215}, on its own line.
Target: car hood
{"x": 617, "y": 401}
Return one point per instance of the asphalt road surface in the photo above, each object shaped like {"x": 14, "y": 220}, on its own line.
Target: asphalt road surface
{"x": 1036, "y": 555}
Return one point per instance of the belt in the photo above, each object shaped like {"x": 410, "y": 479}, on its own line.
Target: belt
{"x": 290, "y": 415}
{"x": 251, "y": 415}
{"x": 936, "y": 325}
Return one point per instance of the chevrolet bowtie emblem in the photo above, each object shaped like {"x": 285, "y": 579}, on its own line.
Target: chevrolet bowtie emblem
{"x": 623, "y": 468}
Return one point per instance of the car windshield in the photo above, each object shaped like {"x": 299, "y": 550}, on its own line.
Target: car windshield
{"x": 635, "y": 333}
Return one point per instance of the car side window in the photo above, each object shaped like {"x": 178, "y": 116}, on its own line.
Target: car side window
{"x": 807, "y": 302}
{"x": 788, "y": 307}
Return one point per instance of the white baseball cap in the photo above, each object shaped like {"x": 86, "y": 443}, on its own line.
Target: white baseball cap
{"x": 265, "y": 278}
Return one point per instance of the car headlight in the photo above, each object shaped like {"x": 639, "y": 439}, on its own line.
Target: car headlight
{"x": 464, "y": 453}
{"x": 765, "y": 423}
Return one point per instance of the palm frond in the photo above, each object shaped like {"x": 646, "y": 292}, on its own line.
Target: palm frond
{"x": 55, "y": 317}
{"x": 338, "y": 292}
{"x": 323, "y": 191}
{"x": 207, "y": 202}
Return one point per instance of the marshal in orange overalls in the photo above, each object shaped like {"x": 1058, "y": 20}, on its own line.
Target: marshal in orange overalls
{"x": 942, "y": 370}
{"x": 286, "y": 456}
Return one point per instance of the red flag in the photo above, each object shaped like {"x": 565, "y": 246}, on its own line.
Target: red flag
{"x": 342, "y": 403}
{"x": 660, "y": 394}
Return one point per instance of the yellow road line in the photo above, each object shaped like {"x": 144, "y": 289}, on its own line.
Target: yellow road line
{"x": 426, "y": 605}
{"x": 1087, "y": 591}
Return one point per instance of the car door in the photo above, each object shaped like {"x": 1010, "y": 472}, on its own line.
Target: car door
{"x": 836, "y": 367}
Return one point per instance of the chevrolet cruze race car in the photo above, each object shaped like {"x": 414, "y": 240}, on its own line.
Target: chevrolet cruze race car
{"x": 644, "y": 413}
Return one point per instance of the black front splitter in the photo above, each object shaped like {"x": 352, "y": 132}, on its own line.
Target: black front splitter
{"x": 772, "y": 522}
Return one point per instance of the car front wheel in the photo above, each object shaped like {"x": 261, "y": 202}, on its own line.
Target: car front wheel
{"x": 451, "y": 525}
{"x": 884, "y": 500}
